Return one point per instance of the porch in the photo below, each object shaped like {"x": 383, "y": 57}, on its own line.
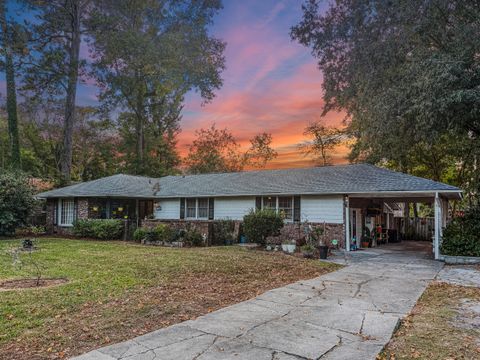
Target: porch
{"x": 378, "y": 219}
{"x": 61, "y": 213}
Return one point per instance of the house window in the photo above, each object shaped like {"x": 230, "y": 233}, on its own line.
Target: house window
{"x": 197, "y": 208}
{"x": 281, "y": 204}
{"x": 66, "y": 212}
{"x": 285, "y": 207}
{"x": 270, "y": 202}
{"x": 202, "y": 208}
{"x": 192, "y": 208}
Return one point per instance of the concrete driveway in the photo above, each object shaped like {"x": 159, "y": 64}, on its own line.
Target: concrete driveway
{"x": 347, "y": 314}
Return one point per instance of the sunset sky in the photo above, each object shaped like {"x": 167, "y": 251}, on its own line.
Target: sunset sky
{"x": 271, "y": 83}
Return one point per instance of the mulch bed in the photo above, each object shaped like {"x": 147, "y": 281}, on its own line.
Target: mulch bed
{"x": 19, "y": 284}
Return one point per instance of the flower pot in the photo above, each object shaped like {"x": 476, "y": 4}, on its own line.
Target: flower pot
{"x": 365, "y": 244}
{"x": 289, "y": 248}
{"x": 323, "y": 252}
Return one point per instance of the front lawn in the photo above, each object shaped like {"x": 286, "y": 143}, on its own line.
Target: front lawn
{"x": 119, "y": 290}
{"x": 444, "y": 324}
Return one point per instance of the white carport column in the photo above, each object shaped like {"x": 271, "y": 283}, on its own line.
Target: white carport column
{"x": 437, "y": 226}
{"x": 347, "y": 224}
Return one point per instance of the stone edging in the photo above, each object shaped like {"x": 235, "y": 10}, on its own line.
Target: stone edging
{"x": 460, "y": 259}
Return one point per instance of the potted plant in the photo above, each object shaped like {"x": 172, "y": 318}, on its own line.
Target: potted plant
{"x": 308, "y": 250}
{"x": 318, "y": 234}
{"x": 365, "y": 241}
{"x": 289, "y": 246}
{"x": 366, "y": 238}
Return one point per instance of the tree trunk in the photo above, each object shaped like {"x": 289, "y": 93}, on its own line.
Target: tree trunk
{"x": 11, "y": 92}
{"x": 140, "y": 129}
{"x": 73, "y": 7}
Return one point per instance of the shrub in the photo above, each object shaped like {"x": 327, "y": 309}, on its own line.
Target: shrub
{"x": 193, "y": 237}
{"x": 83, "y": 228}
{"x": 31, "y": 230}
{"x": 223, "y": 232}
{"x": 104, "y": 229}
{"x": 139, "y": 234}
{"x": 461, "y": 237}
{"x": 151, "y": 236}
{"x": 290, "y": 234}
{"x": 107, "y": 229}
{"x": 258, "y": 225}
{"x": 16, "y": 201}
{"x": 164, "y": 233}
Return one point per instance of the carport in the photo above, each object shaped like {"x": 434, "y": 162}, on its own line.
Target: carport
{"x": 380, "y": 213}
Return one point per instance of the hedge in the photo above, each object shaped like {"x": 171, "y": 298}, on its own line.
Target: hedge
{"x": 461, "y": 237}
{"x": 161, "y": 232}
{"x": 258, "y": 225}
{"x": 104, "y": 229}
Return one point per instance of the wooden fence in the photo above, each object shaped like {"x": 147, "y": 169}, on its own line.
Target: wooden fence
{"x": 417, "y": 228}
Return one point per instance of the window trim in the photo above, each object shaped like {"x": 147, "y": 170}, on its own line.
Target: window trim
{"x": 277, "y": 208}
{"x": 60, "y": 210}
{"x": 196, "y": 217}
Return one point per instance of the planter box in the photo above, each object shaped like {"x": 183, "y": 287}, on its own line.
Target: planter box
{"x": 465, "y": 260}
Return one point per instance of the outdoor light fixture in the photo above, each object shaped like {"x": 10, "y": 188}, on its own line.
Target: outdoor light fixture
{"x": 95, "y": 208}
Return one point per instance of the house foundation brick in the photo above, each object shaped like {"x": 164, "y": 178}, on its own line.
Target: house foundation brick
{"x": 82, "y": 209}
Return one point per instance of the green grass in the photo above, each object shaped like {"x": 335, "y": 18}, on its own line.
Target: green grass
{"x": 119, "y": 290}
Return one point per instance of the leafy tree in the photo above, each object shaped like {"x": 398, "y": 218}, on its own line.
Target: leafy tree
{"x": 323, "y": 140}
{"x": 16, "y": 201}
{"x": 217, "y": 150}
{"x": 406, "y": 73}
{"x": 95, "y": 151}
{"x": 42, "y": 133}
{"x": 160, "y": 154}
{"x": 147, "y": 55}
{"x": 214, "y": 150}
{"x": 55, "y": 65}
{"x": 95, "y": 139}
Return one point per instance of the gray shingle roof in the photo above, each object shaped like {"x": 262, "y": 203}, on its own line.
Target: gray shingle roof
{"x": 340, "y": 179}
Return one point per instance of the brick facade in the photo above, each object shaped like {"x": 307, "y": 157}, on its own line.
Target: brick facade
{"x": 205, "y": 227}
{"x": 52, "y": 228}
{"x": 295, "y": 230}
{"x": 82, "y": 209}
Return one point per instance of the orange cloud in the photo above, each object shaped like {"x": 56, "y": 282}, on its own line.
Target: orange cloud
{"x": 271, "y": 84}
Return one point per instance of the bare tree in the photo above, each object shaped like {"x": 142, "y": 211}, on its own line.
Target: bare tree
{"x": 323, "y": 140}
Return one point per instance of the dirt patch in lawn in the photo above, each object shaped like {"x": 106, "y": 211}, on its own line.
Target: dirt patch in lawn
{"x": 19, "y": 284}
{"x": 444, "y": 324}
{"x": 118, "y": 292}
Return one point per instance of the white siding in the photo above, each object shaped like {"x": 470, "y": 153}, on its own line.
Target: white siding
{"x": 319, "y": 208}
{"x": 233, "y": 207}
{"x": 170, "y": 209}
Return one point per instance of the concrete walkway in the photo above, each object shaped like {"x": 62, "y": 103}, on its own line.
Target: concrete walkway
{"x": 347, "y": 314}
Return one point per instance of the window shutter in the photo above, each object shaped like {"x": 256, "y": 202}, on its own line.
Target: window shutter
{"x": 296, "y": 208}
{"x": 55, "y": 211}
{"x": 211, "y": 208}
{"x": 182, "y": 208}
{"x": 258, "y": 203}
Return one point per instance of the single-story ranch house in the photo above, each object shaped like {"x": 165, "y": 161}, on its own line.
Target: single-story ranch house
{"x": 360, "y": 195}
